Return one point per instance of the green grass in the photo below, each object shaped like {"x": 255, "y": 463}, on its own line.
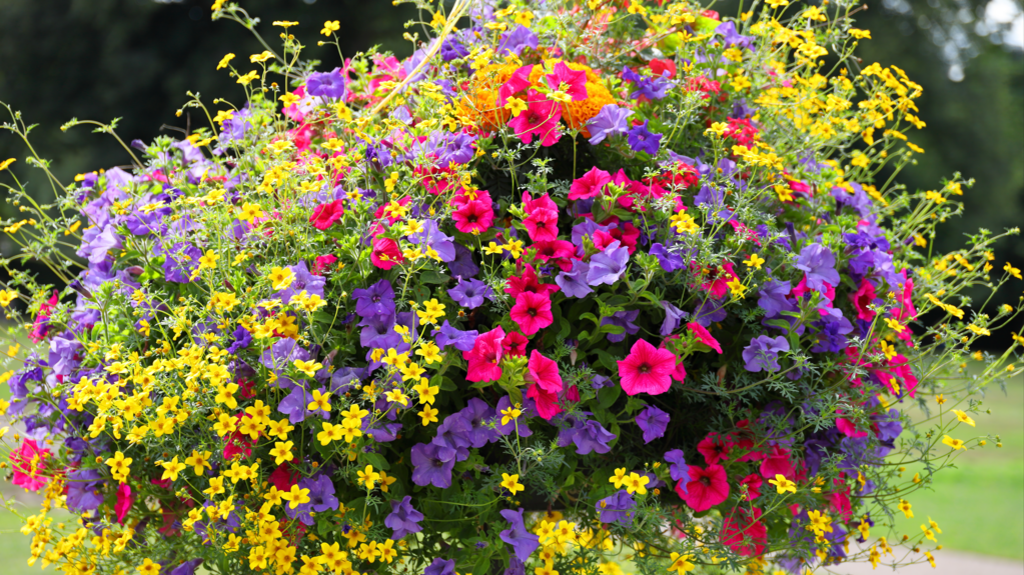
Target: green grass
{"x": 979, "y": 505}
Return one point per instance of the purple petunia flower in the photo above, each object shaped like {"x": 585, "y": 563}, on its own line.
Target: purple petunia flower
{"x": 763, "y": 353}
{"x": 463, "y": 265}
{"x": 623, "y": 319}
{"x": 643, "y": 140}
{"x": 610, "y": 121}
{"x": 616, "y": 507}
{"x": 447, "y": 335}
{"x": 653, "y": 422}
{"x": 819, "y": 265}
{"x": 522, "y": 541}
{"x": 304, "y": 281}
{"x": 432, "y": 465}
{"x": 376, "y": 300}
{"x": 470, "y": 293}
{"x": 669, "y": 261}
{"x": 83, "y": 492}
{"x": 650, "y": 87}
{"x": 432, "y": 237}
{"x": 186, "y": 568}
{"x": 64, "y": 354}
{"x": 772, "y": 298}
{"x": 673, "y": 317}
{"x": 242, "y": 340}
{"x": 327, "y": 84}
{"x": 587, "y": 436}
{"x": 608, "y": 266}
{"x": 512, "y": 426}
{"x": 404, "y": 519}
{"x": 321, "y": 493}
{"x": 515, "y": 41}
{"x": 574, "y": 282}
{"x": 709, "y": 311}
{"x": 295, "y": 403}
{"x": 441, "y": 567}
{"x": 678, "y": 469}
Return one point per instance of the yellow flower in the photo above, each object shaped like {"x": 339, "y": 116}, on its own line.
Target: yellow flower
{"x": 261, "y": 57}
{"x": 681, "y": 563}
{"x": 4, "y": 164}
{"x": 282, "y": 451}
{"x": 321, "y": 401}
{"x": 149, "y": 568}
{"x": 250, "y": 212}
{"x": 904, "y": 506}
{"x": 755, "y": 261}
{"x": 209, "y": 260}
{"x": 963, "y": 417}
{"x": 1015, "y": 272}
{"x": 285, "y": 23}
{"x": 637, "y": 483}
{"x": 119, "y": 466}
{"x": 224, "y": 61}
{"x": 369, "y": 477}
{"x": 198, "y": 461}
{"x": 6, "y": 297}
{"x": 330, "y": 26}
{"x": 246, "y": 78}
{"x": 618, "y": 478}
{"x": 281, "y": 278}
{"x": 428, "y": 415}
{"x": 309, "y": 368}
{"x": 782, "y": 484}
{"x": 511, "y": 483}
{"x": 171, "y": 468}
{"x": 516, "y": 106}
{"x": 296, "y": 496}
{"x": 957, "y": 444}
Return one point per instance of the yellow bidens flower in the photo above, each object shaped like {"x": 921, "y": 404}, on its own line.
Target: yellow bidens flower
{"x": 904, "y": 506}
{"x": 281, "y": 278}
{"x": 511, "y": 483}
{"x": 957, "y": 444}
{"x": 755, "y": 261}
{"x": 119, "y": 466}
{"x": 782, "y": 484}
{"x": 368, "y": 477}
{"x": 7, "y": 296}
{"x": 680, "y": 563}
{"x": 963, "y": 417}
{"x": 330, "y": 26}
{"x": 224, "y": 61}
{"x": 636, "y": 483}
{"x": 249, "y": 77}
{"x": 1015, "y": 272}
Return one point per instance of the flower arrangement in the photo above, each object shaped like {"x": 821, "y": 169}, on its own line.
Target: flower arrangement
{"x": 578, "y": 281}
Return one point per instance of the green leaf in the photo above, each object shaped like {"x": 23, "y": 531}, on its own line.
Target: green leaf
{"x": 433, "y": 277}
{"x": 376, "y": 460}
{"x": 606, "y": 396}
{"x": 483, "y": 564}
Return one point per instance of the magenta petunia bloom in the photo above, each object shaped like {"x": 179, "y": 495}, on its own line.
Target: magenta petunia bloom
{"x": 542, "y": 225}
{"x": 546, "y": 402}
{"x": 544, "y": 372}
{"x": 386, "y": 254}
{"x": 325, "y": 215}
{"x": 572, "y": 82}
{"x": 744, "y": 533}
{"x": 590, "y": 184}
{"x": 701, "y": 335}
{"x": 707, "y": 487}
{"x": 532, "y": 312}
{"x": 540, "y": 119}
{"x": 646, "y": 369}
{"x": 485, "y": 357}
{"x": 124, "y": 502}
{"x": 474, "y": 217}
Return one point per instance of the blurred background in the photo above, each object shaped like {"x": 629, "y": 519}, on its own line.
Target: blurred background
{"x": 135, "y": 59}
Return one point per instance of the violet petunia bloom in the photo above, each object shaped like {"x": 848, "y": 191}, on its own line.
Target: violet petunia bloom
{"x": 447, "y": 335}
{"x": 587, "y": 436}
{"x": 673, "y": 317}
{"x": 709, "y": 311}
{"x": 763, "y": 353}
{"x": 242, "y": 340}
{"x": 404, "y": 519}
{"x": 376, "y": 300}
{"x": 678, "y": 469}
{"x": 186, "y": 568}
{"x": 643, "y": 140}
{"x": 819, "y": 265}
{"x": 441, "y": 567}
{"x": 669, "y": 261}
{"x": 610, "y": 121}
{"x": 327, "y": 84}
{"x": 574, "y": 282}
{"x": 295, "y": 403}
{"x": 772, "y": 298}
{"x": 303, "y": 281}
{"x": 432, "y": 465}
{"x": 608, "y": 266}
{"x": 515, "y": 41}
{"x": 83, "y": 490}
{"x": 463, "y": 264}
{"x": 470, "y": 293}
{"x": 522, "y": 541}
{"x": 650, "y": 87}
{"x": 432, "y": 237}
{"x": 64, "y": 354}
{"x": 623, "y": 319}
{"x": 321, "y": 493}
{"x": 616, "y": 507}
{"x": 653, "y": 422}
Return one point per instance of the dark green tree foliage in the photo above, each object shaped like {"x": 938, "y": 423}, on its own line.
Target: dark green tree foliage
{"x": 136, "y": 59}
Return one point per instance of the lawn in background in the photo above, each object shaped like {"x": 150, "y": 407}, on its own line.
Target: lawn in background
{"x": 980, "y": 505}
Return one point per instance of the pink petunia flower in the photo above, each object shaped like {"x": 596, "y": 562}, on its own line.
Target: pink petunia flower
{"x": 386, "y": 254}
{"x": 540, "y": 119}
{"x": 28, "y": 464}
{"x": 532, "y": 311}
{"x": 646, "y": 369}
{"x": 545, "y": 401}
{"x": 544, "y": 372}
{"x": 474, "y": 217}
{"x": 777, "y": 462}
{"x": 743, "y": 532}
{"x": 325, "y": 215}
{"x": 707, "y": 487}
{"x": 572, "y": 82}
{"x": 542, "y": 225}
{"x": 485, "y": 357}
{"x": 701, "y": 335}
{"x": 590, "y": 184}
{"x": 528, "y": 282}
{"x": 124, "y": 502}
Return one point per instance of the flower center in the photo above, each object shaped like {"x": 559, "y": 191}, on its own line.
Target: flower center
{"x": 644, "y": 368}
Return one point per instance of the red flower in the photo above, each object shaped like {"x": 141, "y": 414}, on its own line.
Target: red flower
{"x": 542, "y": 225}
{"x": 473, "y": 218}
{"x": 590, "y": 184}
{"x": 701, "y": 335}
{"x": 777, "y": 462}
{"x": 124, "y": 502}
{"x": 574, "y": 80}
{"x": 713, "y": 449}
{"x": 544, "y": 372}
{"x": 28, "y": 463}
{"x": 707, "y": 487}
{"x": 546, "y": 401}
{"x": 646, "y": 369}
{"x": 321, "y": 264}
{"x": 485, "y": 357}
{"x": 386, "y": 254}
{"x": 532, "y": 312}
{"x": 325, "y": 215}
{"x": 559, "y": 250}
{"x": 515, "y": 344}
{"x": 753, "y": 483}
{"x": 744, "y": 533}
{"x": 540, "y": 119}
{"x": 528, "y": 283}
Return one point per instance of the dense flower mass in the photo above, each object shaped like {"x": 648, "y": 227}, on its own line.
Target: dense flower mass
{"x": 579, "y": 279}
